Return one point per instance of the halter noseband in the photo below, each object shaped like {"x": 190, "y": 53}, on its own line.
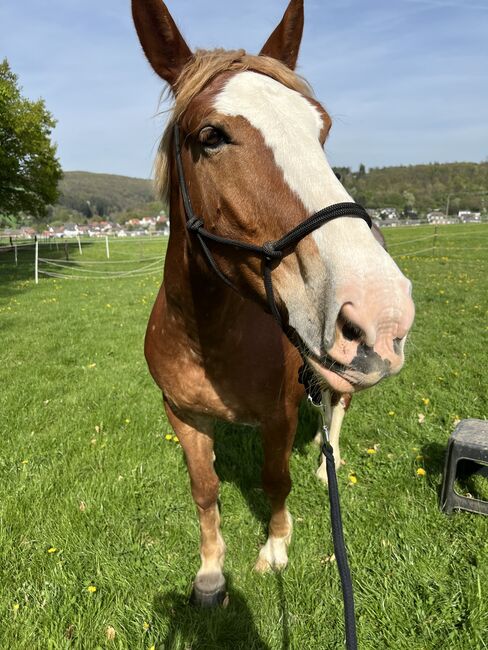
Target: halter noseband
{"x": 272, "y": 252}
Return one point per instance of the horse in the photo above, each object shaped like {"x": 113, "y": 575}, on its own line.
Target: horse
{"x": 241, "y": 162}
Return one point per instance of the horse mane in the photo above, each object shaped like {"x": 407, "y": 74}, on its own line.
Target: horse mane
{"x": 197, "y": 73}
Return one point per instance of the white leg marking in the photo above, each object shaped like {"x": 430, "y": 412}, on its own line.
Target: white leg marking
{"x": 210, "y": 577}
{"x": 337, "y": 417}
{"x": 274, "y": 554}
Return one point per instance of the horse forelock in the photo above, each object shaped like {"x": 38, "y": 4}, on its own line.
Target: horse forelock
{"x": 205, "y": 66}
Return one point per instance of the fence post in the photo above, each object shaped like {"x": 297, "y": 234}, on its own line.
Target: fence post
{"x": 434, "y": 241}
{"x": 107, "y": 249}
{"x": 14, "y": 244}
{"x": 79, "y": 244}
{"x": 66, "y": 252}
{"x": 36, "y": 267}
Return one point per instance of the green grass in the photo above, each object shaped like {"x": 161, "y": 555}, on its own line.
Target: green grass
{"x": 85, "y": 469}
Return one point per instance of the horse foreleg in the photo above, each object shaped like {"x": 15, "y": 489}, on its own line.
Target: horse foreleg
{"x": 196, "y": 438}
{"x": 338, "y": 409}
{"x": 277, "y": 443}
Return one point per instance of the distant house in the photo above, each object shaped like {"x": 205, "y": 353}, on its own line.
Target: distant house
{"x": 71, "y": 230}
{"x": 466, "y": 216}
{"x": 437, "y": 216}
{"x": 388, "y": 214}
{"x": 374, "y": 213}
{"x": 27, "y": 232}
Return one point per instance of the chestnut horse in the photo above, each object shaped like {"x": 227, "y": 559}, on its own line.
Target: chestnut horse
{"x": 252, "y": 138}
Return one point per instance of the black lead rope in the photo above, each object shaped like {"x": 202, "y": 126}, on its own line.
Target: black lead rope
{"x": 315, "y": 400}
{"x": 272, "y": 253}
{"x": 340, "y": 549}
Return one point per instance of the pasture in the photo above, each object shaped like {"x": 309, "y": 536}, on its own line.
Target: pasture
{"x": 98, "y": 535}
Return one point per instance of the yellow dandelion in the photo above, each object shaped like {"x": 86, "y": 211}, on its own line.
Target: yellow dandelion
{"x": 175, "y": 439}
{"x": 15, "y": 607}
{"x": 127, "y": 420}
{"x": 153, "y": 647}
{"x": 371, "y": 451}
{"x": 353, "y": 479}
{"x": 146, "y": 626}
{"x": 426, "y": 401}
{"x": 421, "y": 472}
{"x": 91, "y": 589}
{"x": 52, "y": 549}
{"x": 24, "y": 462}
{"x": 168, "y": 436}
{"x": 391, "y": 412}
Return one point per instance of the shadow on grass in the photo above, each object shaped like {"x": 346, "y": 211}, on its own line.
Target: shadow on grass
{"x": 285, "y": 644}
{"x": 227, "y": 628}
{"x": 434, "y": 455}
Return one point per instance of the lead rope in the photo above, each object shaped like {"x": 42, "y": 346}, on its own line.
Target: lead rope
{"x": 337, "y": 533}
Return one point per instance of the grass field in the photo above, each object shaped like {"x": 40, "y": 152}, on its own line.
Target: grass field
{"x": 98, "y": 535}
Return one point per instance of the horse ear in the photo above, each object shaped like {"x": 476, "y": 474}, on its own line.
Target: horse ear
{"x": 163, "y": 45}
{"x": 284, "y": 42}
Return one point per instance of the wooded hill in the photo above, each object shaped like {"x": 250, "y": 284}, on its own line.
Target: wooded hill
{"x": 103, "y": 194}
{"x": 418, "y": 187}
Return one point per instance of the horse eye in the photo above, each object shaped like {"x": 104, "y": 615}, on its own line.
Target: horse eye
{"x": 211, "y": 137}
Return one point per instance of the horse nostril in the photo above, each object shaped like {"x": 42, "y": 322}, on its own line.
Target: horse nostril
{"x": 397, "y": 345}
{"x": 351, "y": 332}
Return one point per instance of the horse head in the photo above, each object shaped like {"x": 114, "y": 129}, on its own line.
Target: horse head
{"x": 252, "y": 150}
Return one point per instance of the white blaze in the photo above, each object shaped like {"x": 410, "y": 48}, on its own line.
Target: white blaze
{"x": 291, "y": 126}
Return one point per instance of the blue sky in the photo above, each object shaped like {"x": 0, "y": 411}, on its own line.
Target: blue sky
{"x": 405, "y": 81}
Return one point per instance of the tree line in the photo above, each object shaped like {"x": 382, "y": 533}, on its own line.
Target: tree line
{"x": 420, "y": 188}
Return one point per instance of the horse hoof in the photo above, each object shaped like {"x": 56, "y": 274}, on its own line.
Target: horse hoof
{"x": 262, "y": 565}
{"x": 321, "y": 474}
{"x": 210, "y": 599}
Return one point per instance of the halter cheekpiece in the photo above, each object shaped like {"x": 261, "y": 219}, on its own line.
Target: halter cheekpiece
{"x": 272, "y": 252}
